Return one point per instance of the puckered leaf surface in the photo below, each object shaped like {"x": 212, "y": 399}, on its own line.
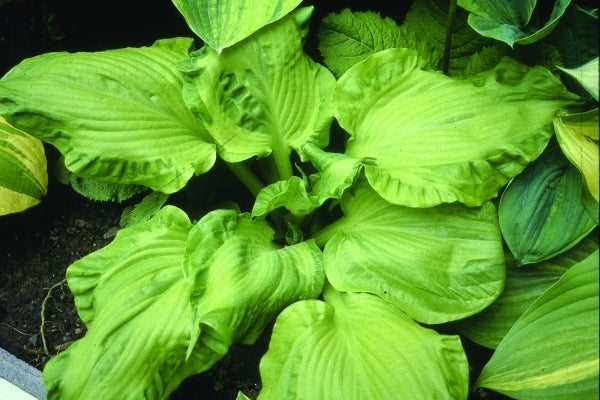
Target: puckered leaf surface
{"x": 240, "y": 279}
{"x": 115, "y": 115}
{"x": 437, "y": 265}
{"x": 556, "y": 341}
{"x": 166, "y": 299}
{"x": 23, "y": 180}
{"x": 438, "y": 139}
{"x": 263, "y": 96}
{"x": 221, "y": 24}
{"x": 356, "y": 346}
{"x": 136, "y": 304}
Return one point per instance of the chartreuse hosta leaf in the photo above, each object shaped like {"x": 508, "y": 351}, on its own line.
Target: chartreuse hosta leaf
{"x": 516, "y": 21}
{"x": 222, "y": 23}
{"x": 523, "y": 286}
{"x": 541, "y": 212}
{"x": 356, "y": 346}
{"x": 136, "y": 304}
{"x": 551, "y": 352}
{"x": 159, "y": 309}
{"x": 437, "y": 139}
{"x": 577, "y": 135}
{"x": 240, "y": 279}
{"x": 262, "y": 96}
{"x": 115, "y": 115}
{"x": 437, "y": 264}
{"x": 336, "y": 173}
{"x": 24, "y": 180}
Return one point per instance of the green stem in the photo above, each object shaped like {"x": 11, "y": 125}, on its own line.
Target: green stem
{"x": 322, "y": 237}
{"x": 448, "y": 40}
{"x": 246, "y": 176}
{"x": 283, "y": 164}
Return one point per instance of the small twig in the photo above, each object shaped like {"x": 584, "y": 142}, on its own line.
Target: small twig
{"x": 43, "y": 312}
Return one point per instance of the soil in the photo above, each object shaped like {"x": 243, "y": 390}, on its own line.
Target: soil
{"x": 36, "y": 246}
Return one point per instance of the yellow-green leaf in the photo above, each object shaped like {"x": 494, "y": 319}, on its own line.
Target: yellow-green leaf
{"x": 578, "y": 138}
{"x": 23, "y": 176}
{"x": 222, "y": 23}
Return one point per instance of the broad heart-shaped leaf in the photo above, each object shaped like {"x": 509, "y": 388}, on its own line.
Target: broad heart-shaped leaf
{"x": 577, "y": 136}
{"x": 136, "y": 303}
{"x": 438, "y": 139}
{"x": 116, "y": 115}
{"x": 263, "y": 95}
{"x": 356, "y": 346}
{"x": 514, "y": 21}
{"x": 23, "y": 180}
{"x": 541, "y": 212}
{"x": 552, "y": 350}
{"x": 240, "y": 279}
{"x": 437, "y": 265}
{"x": 222, "y": 23}
{"x": 166, "y": 299}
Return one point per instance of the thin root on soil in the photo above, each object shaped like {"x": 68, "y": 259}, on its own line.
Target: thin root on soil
{"x": 43, "y": 312}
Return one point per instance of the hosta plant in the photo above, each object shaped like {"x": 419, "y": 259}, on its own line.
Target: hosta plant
{"x": 421, "y": 182}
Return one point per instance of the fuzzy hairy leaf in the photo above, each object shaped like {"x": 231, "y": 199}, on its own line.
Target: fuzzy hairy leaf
{"x": 556, "y": 340}
{"x": 221, "y": 24}
{"x": 263, "y": 96}
{"x": 356, "y": 346}
{"x": 23, "y": 180}
{"x": 428, "y": 21}
{"x": 438, "y": 139}
{"x": 349, "y": 37}
{"x": 115, "y": 115}
{"x": 437, "y": 264}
